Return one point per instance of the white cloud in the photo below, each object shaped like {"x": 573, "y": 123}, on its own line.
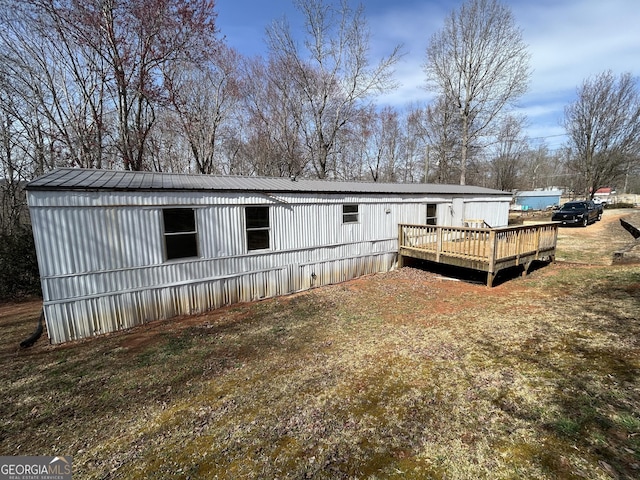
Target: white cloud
{"x": 573, "y": 40}
{"x": 409, "y": 24}
{"x": 569, "y": 41}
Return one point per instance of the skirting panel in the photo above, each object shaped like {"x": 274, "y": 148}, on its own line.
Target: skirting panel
{"x": 89, "y": 316}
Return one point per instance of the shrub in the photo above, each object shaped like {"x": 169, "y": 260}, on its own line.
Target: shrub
{"x": 619, "y": 205}
{"x": 19, "y": 275}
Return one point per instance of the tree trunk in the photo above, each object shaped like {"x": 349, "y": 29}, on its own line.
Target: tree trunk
{"x": 465, "y": 146}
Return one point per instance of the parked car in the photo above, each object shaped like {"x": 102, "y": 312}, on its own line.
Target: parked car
{"x": 576, "y": 213}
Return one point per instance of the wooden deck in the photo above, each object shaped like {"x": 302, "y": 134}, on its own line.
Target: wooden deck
{"x": 485, "y": 249}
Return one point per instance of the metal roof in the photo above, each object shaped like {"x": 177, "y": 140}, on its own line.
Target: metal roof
{"x": 112, "y": 180}
{"x": 539, "y": 193}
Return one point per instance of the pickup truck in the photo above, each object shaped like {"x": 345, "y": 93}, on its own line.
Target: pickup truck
{"x": 581, "y": 213}
{"x": 599, "y": 206}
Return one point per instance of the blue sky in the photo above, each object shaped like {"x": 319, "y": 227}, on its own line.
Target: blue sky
{"x": 569, "y": 41}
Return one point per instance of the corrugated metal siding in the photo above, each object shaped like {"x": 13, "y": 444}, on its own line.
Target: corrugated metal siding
{"x": 495, "y": 214}
{"x": 443, "y": 211}
{"x": 77, "y": 318}
{"x": 167, "y": 198}
{"x": 78, "y": 240}
{"x": 538, "y": 202}
{"x": 103, "y": 269}
{"x": 64, "y": 287}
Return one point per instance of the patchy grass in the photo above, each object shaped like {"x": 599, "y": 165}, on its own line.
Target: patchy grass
{"x": 400, "y": 375}
{"x": 596, "y": 243}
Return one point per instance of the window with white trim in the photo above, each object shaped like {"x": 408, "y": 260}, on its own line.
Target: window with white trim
{"x": 180, "y": 233}
{"x": 350, "y": 213}
{"x": 257, "y": 225}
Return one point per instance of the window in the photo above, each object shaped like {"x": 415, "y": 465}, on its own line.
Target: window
{"x": 350, "y": 214}
{"x": 257, "y": 227}
{"x": 432, "y": 216}
{"x": 180, "y": 235}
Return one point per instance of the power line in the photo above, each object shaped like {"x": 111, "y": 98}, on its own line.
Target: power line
{"x": 551, "y": 136}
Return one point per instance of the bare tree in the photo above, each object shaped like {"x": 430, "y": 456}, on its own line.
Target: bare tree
{"x": 382, "y": 139}
{"x": 442, "y": 128}
{"x": 414, "y": 148}
{"x": 22, "y": 152}
{"x": 135, "y": 40}
{"x": 603, "y": 125}
{"x": 332, "y": 74}
{"x": 25, "y": 149}
{"x": 92, "y": 72}
{"x": 11, "y": 205}
{"x": 479, "y": 63}
{"x": 273, "y": 123}
{"x": 168, "y": 147}
{"x": 204, "y": 98}
{"x": 60, "y": 89}
{"x": 544, "y": 168}
{"x": 508, "y": 159}
{"x": 74, "y": 79}
{"x": 352, "y": 164}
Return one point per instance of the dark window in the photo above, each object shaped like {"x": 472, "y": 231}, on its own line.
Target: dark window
{"x": 257, "y": 227}
{"x": 350, "y": 214}
{"x": 180, "y": 235}
{"x": 432, "y": 216}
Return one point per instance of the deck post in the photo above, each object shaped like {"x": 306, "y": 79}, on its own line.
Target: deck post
{"x": 400, "y": 245}
{"x": 438, "y": 242}
{"x": 492, "y": 258}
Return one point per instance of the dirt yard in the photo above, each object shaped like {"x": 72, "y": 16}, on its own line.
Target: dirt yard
{"x": 409, "y": 374}
{"x": 596, "y": 243}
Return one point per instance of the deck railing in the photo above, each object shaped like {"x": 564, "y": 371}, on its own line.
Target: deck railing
{"x": 487, "y": 249}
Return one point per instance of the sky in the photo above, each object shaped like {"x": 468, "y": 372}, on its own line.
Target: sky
{"x": 569, "y": 41}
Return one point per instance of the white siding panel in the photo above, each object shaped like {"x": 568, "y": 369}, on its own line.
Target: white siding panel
{"x": 59, "y": 288}
{"x": 443, "y": 212}
{"x": 65, "y": 199}
{"x": 495, "y": 214}
{"x": 78, "y": 318}
{"x": 221, "y": 231}
{"x": 77, "y": 240}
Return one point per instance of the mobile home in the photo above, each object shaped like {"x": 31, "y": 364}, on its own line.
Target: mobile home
{"x": 538, "y": 199}
{"x": 117, "y": 248}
